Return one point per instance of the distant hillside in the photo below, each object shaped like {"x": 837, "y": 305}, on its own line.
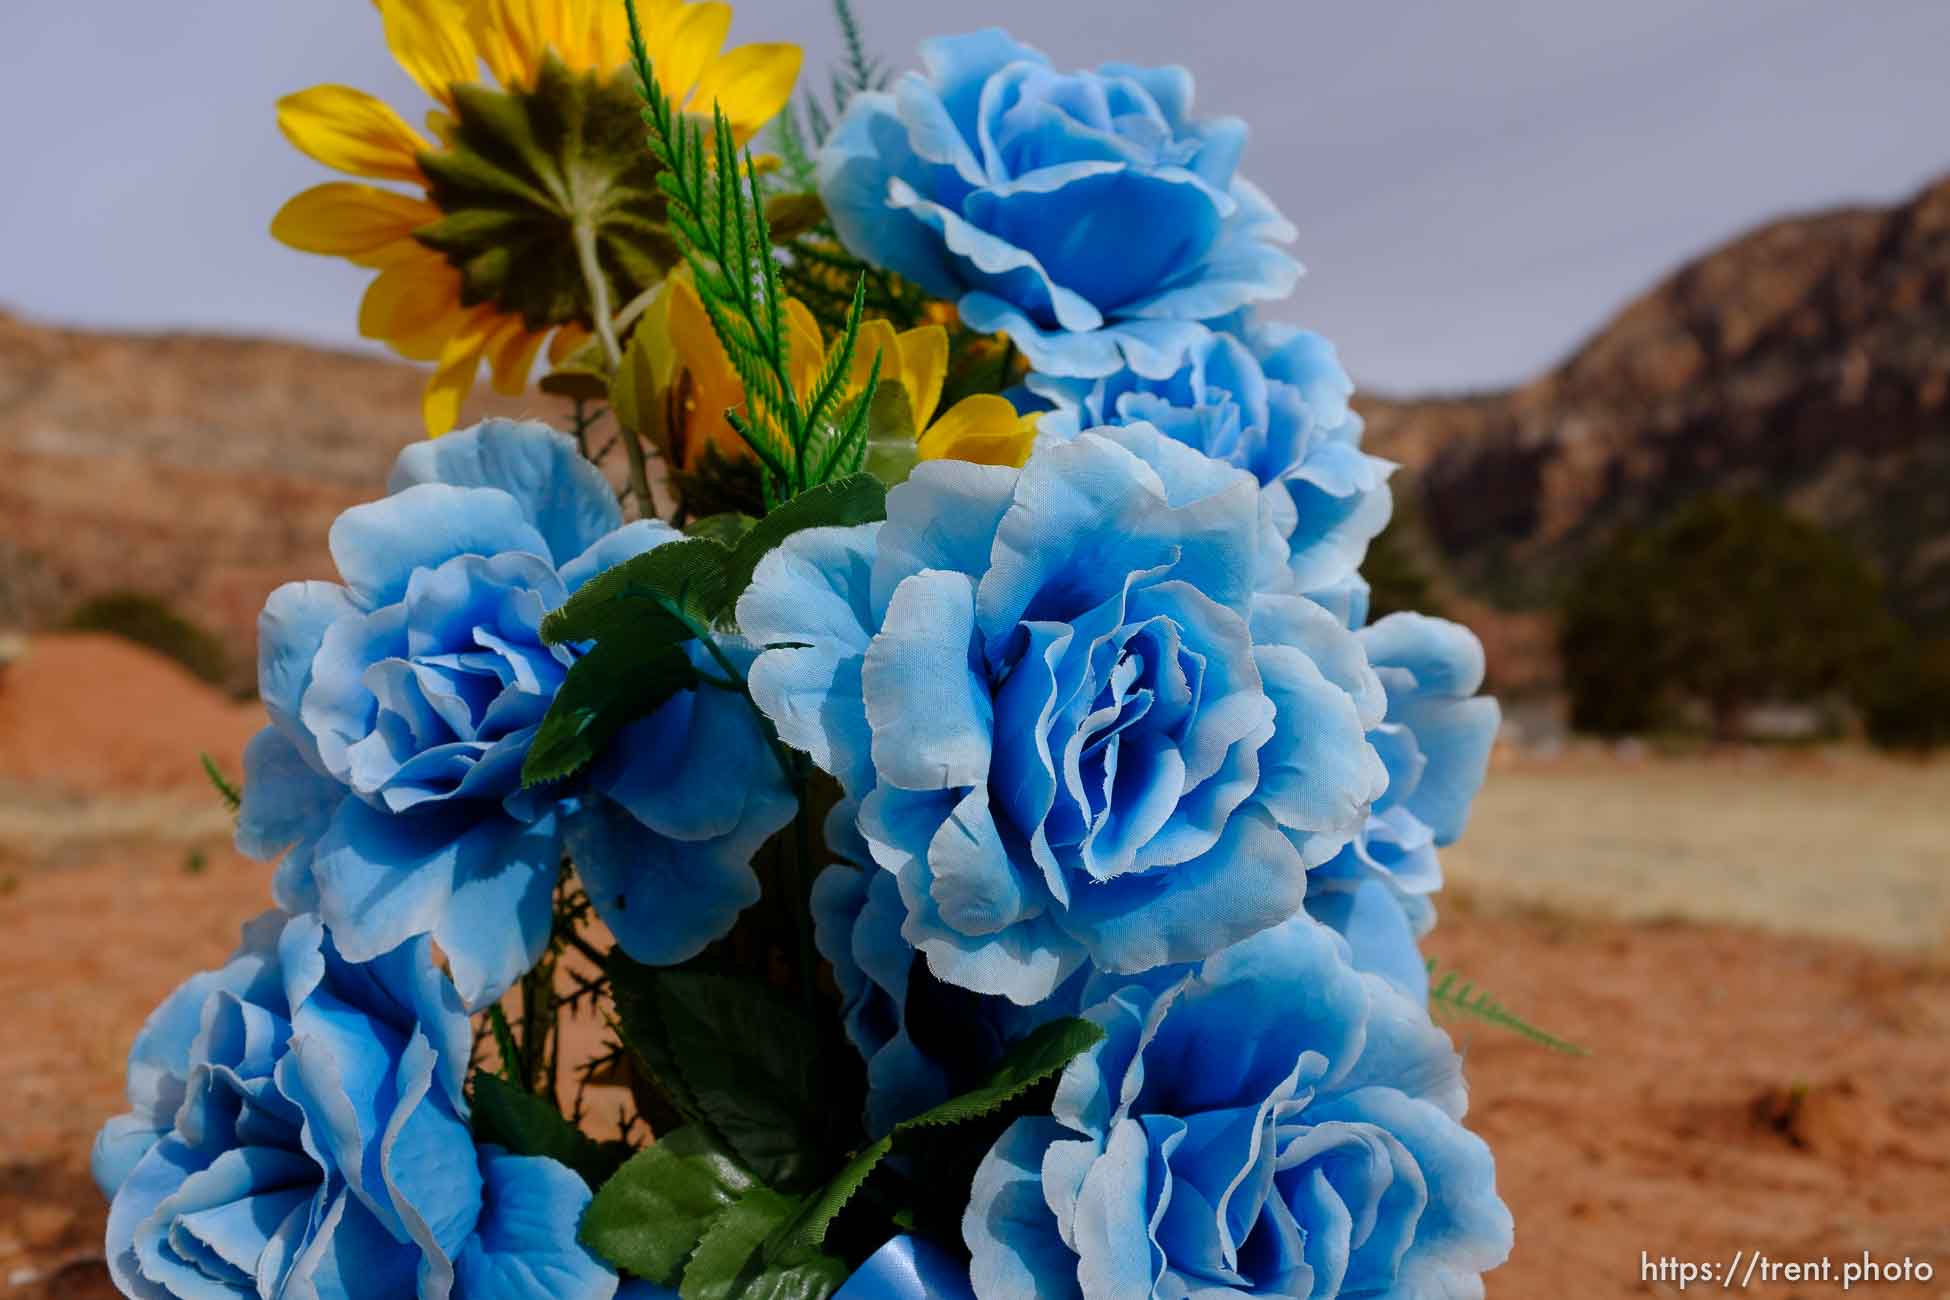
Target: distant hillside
{"x": 1808, "y": 361}
{"x": 204, "y": 470}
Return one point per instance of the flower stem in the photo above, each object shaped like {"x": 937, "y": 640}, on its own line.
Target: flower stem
{"x": 599, "y": 312}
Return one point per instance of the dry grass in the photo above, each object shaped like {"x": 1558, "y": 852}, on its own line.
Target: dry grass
{"x": 1841, "y": 844}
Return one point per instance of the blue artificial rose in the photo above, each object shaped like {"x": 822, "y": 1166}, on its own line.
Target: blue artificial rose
{"x": 1272, "y": 400}
{"x": 403, "y": 703}
{"x": 1435, "y": 741}
{"x": 1087, "y": 214}
{"x": 1047, "y": 690}
{"x": 297, "y": 1128}
{"x": 1270, "y": 1124}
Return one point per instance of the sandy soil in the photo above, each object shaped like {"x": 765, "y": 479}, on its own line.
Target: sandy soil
{"x": 1749, "y": 1090}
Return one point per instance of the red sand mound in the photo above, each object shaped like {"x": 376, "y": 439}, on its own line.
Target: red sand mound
{"x": 87, "y": 714}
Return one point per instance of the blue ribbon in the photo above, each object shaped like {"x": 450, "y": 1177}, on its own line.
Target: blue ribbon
{"x": 908, "y": 1268}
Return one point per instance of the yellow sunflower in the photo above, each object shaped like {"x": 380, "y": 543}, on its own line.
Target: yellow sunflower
{"x": 536, "y": 198}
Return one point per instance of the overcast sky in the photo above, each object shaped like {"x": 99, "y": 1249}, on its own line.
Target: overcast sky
{"x": 1477, "y": 183}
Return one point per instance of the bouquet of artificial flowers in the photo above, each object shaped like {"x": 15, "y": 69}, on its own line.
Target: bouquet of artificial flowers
{"x": 948, "y": 748}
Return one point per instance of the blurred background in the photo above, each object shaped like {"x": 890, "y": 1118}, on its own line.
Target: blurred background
{"x": 1651, "y": 304}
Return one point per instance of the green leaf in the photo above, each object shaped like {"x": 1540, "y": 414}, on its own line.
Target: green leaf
{"x": 1031, "y": 1061}
{"x": 751, "y": 1062}
{"x": 640, "y": 1024}
{"x": 644, "y": 596}
{"x": 727, "y": 528}
{"x": 1034, "y": 1059}
{"x": 1465, "y": 999}
{"x": 855, "y": 499}
{"x": 805, "y": 1229}
{"x": 609, "y": 687}
{"x": 650, "y": 1217}
{"x": 529, "y": 1126}
{"x": 730, "y": 1263}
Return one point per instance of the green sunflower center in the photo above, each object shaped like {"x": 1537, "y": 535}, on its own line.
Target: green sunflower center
{"x": 527, "y": 174}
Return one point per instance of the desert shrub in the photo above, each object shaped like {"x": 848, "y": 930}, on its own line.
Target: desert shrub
{"x": 1907, "y": 706}
{"x": 1398, "y": 576}
{"x": 147, "y": 621}
{"x": 1731, "y": 602}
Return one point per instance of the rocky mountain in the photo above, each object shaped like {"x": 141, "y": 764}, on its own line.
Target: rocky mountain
{"x": 1808, "y": 361}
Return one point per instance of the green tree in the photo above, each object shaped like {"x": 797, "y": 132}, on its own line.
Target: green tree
{"x": 1730, "y": 603}
{"x": 1906, "y": 702}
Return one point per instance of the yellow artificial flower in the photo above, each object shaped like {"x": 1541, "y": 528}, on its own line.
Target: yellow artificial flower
{"x": 983, "y": 428}
{"x": 470, "y": 268}
{"x": 690, "y": 384}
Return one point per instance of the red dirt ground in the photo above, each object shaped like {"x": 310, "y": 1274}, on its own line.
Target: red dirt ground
{"x": 1746, "y": 1092}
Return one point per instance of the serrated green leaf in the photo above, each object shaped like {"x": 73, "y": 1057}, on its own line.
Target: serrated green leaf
{"x": 728, "y": 527}
{"x": 751, "y": 1062}
{"x": 1030, "y": 1062}
{"x": 651, "y": 1216}
{"x": 609, "y": 687}
{"x": 1036, "y": 1058}
{"x": 855, "y": 499}
{"x": 640, "y": 1024}
{"x": 641, "y": 598}
{"x": 730, "y": 1263}
{"x": 805, "y": 1229}
{"x": 529, "y": 1126}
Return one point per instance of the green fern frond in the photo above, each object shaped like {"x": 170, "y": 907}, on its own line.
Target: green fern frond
{"x": 862, "y": 70}
{"x": 795, "y": 151}
{"x": 1460, "y": 997}
{"x": 233, "y": 798}
{"x": 716, "y": 208}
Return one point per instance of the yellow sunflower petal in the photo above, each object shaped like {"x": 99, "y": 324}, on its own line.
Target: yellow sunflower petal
{"x": 611, "y": 37}
{"x": 350, "y": 131}
{"x": 343, "y": 219}
{"x": 453, "y": 379}
{"x": 409, "y": 298}
{"x": 488, "y": 26}
{"x": 984, "y": 429}
{"x": 568, "y": 30}
{"x": 924, "y": 367}
{"x": 511, "y": 355}
{"x": 511, "y": 35}
{"x": 429, "y": 39}
{"x": 694, "y": 38}
{"x": 751, "y": 85}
